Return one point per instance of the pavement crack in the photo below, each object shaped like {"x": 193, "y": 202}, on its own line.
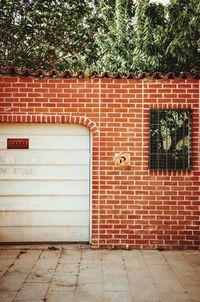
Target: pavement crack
{"x": 58, "y": 261}
{"x": 126, "y": 271}
{"x": 79, "y": 269}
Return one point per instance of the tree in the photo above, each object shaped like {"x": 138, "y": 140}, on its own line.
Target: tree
{"x": 42, "y": 33}
{"x": 167, "y": 37}
{"x": 150, "y": 24}
{"x": 182, "y": 37}
{"x": 111, "y": 35}
{"x": 115, "y": 43}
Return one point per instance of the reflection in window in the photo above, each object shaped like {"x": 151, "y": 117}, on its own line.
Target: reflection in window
{"x": 170, "y": 139}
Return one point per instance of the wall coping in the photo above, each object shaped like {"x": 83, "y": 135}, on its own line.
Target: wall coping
{"x": 94, "y": 74}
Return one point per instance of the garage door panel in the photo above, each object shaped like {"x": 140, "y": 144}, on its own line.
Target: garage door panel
{"x": 50, "y": 157}
{"x": 54, "y": 142}
{"x": 35, "y": 218}
{"x": 44, "y": 187}
{"x": 45, "y": 172}
{"x": 44, "y": 234}
{"x": 42, "y": 203}
{"x": 44, "y": 190}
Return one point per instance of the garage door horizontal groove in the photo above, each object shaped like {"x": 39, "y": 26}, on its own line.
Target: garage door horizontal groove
{"x": 44, "y": 179}
{"x": 46, "y": 150}
{"x": 46, "y": 157}
{"x": 46, "y": 226}
{"x": 46, "y": 211}
{"x": 41, "y": 164}
{"x": 41, "y": 195}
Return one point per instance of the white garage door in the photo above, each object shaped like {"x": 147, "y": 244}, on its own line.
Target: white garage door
{"x": 44, "y": 189}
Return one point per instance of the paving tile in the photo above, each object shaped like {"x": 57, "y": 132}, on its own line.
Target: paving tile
{"x": 29, "y": 300}
{"x": 144, "y": 290}
{"x": 44, "y": 264}
{"x": 185, "y": 273}
{"x": 36, "y": 291}
{"x": 153, "y": 257}
{"x": 194, "y": 260}
{"x": 40, "y": 276}
{"x": 114, "y": 274}
{"x": 134, "y": 262}
{"x": 44, "y": 267}
{"x": 55, "y": 286}
{"x": 89, "y": 292}
{"x": 193, "y": 291}
{"x": 5, "y": 265}
{"x": 115, "y": 284}
{"x": 25, "y": 261}
{"x": 117, "y": 297}
{"x": 87, "y": 273}
{"x": 142, "y": 287}
{"x": 50, "y": 255}
{"x": 168, "y": 285}
{"x": 12, "y": 280}
{"x": 69, "y": 268}
{"x": 70, "y": 256}
{"x": 60, "y": 296}
{"x": 91, "y": 256}
{"x": 111, "y": 255}
{"x": 7, "y": 296}
{"x": 64, "y": 280}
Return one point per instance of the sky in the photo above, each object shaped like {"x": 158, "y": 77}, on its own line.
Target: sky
{"x": 161, "y": 1}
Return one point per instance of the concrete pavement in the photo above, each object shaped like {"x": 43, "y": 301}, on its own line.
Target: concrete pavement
{"x": 76, "y": 273}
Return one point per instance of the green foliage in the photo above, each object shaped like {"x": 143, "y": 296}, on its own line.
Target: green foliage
{"x": 148, "y": 55}
{"x": 183, "y": 35}
{"x": 42, "y": 33}
{"x": 115, "y": 44}
{"x": 167, "y": 37}
{"x": 112, "y": 35}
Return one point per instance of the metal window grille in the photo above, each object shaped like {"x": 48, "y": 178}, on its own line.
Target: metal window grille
{"x": 170, "y": 139}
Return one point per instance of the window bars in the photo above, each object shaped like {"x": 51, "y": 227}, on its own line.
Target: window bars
{"x": 170, "y": 139}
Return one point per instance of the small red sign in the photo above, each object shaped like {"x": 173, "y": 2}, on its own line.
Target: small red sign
{"x": 17, "y": 143}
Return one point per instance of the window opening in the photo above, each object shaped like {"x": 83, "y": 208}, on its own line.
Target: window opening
{"x": 170, "y": 139}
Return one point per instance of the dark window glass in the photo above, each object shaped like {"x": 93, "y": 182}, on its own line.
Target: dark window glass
{"x": 170, "y": 139}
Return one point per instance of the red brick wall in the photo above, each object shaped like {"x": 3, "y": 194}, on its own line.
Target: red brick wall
{"x": 134, "y": 207}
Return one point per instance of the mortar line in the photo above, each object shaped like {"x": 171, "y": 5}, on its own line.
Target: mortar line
{"x": 151, "y": 275}
{"x": 12, "y": 264}
{"x": 129, "y": 283}
{"x": 78, "y": 273}
{"x": 143, "y": 124}
{"x": 102, "y": 269}
{"x": 199, "y": 131}
{"x": 53, "y": 273}
{"x": 99, "y": 163}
